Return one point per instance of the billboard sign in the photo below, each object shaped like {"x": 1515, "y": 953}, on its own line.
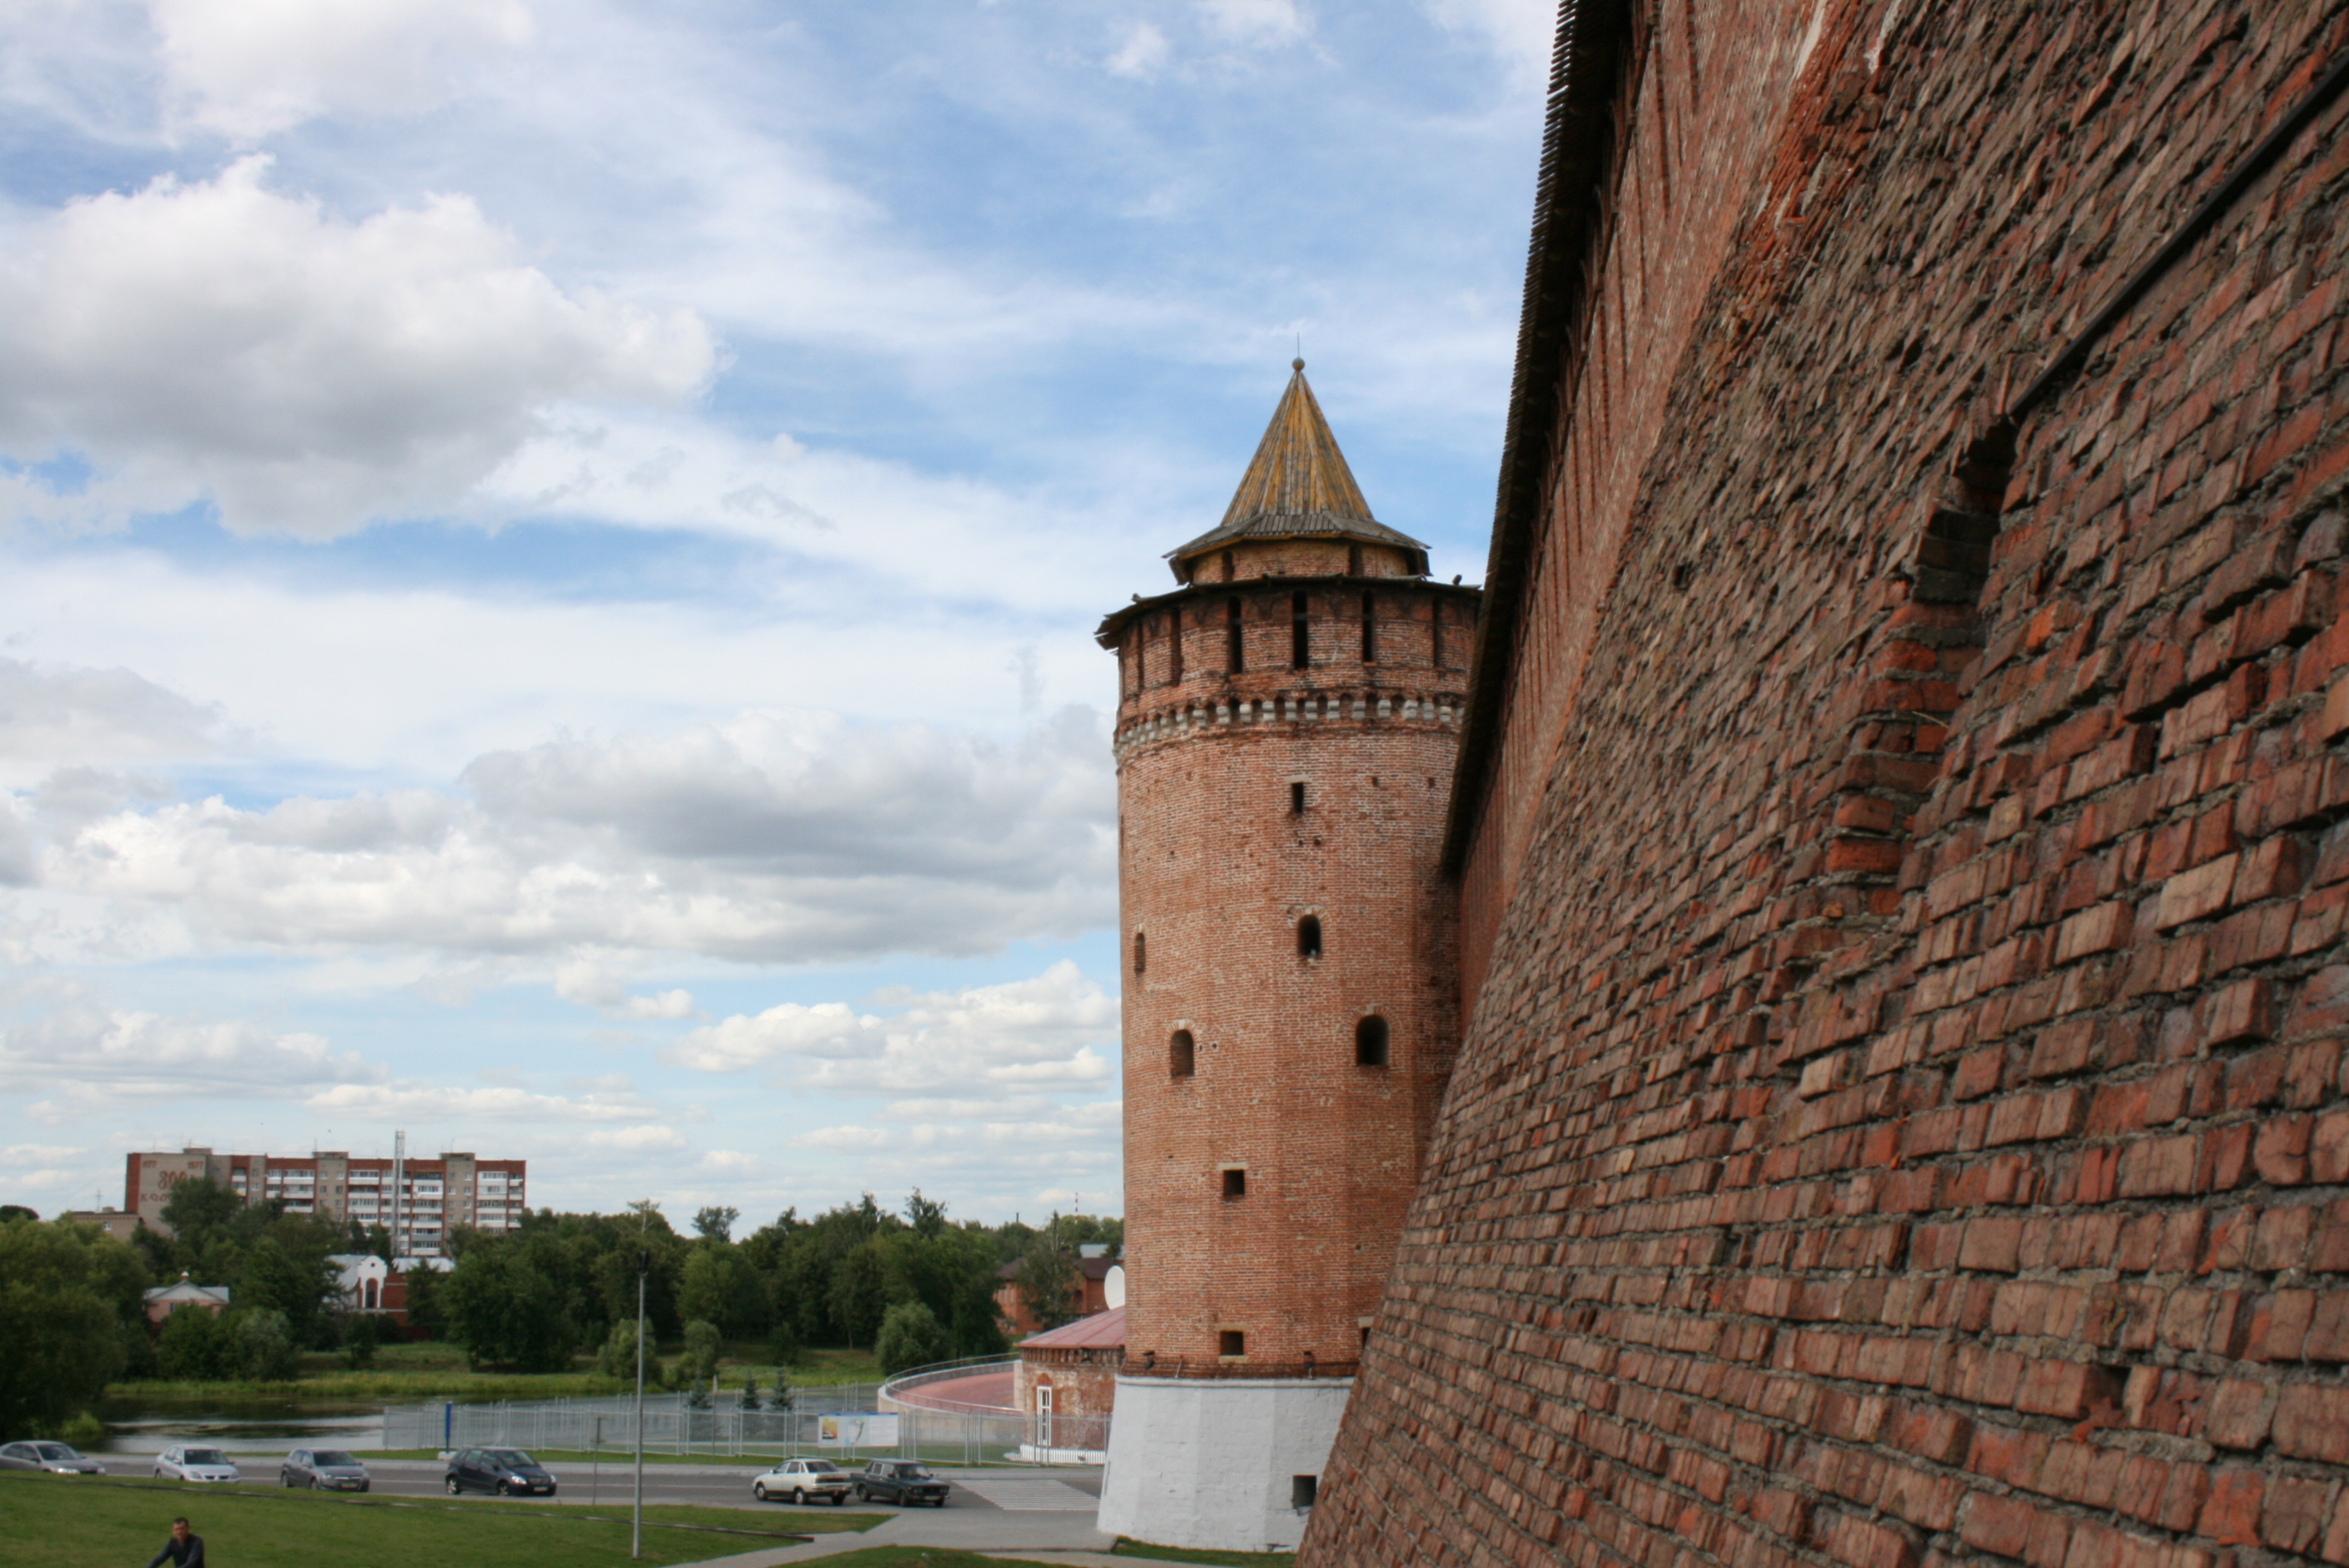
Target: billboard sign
{"x": 859, "y": 1431}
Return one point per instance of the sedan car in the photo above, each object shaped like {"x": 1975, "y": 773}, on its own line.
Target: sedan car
{"x": 323, "y": 1469}
{"x": 799, "y": 1480}
{"x": 57, "y": 1459}
{"x": 509, "y": 1472}
{"x": 902, "y": 1482}
{"x": 194, "y": 1464}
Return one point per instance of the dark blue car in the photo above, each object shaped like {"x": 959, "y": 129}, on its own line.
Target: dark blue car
{"x": 509, "y": 1472}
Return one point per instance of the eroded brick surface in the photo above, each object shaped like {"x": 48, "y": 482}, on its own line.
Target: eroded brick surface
{"x": 1902, "y": 1115}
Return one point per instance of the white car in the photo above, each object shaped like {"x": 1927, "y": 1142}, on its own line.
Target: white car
{"x": 194, "y": 1464}
{"x": 57, "y": 1459}
{"x": 801, "y": 1479}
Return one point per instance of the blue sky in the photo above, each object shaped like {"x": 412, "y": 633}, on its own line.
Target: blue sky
{"x": 547, "y": 555}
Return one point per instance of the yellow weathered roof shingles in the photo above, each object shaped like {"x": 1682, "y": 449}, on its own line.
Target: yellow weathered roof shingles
{"x": 1298, "y": 484}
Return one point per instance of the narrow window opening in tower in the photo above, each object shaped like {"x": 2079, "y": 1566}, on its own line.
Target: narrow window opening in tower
{"x": 1235, "y": 644}
{"x": 1231, "y": 1342}
{"x": 1435, "y": 633}
{"x": 1235, "y": 1183}
{"x": 1370, "y": 629}
{"x": 1228, "y": 566}
{"x": 1181, "y": 1055}
{"x": 1300, "y": 633}
{"x": 1370, "y": 1042}
{"x": 1309, "y": 937}
{"x": 1353, "y": 561}
{"x": 1366, "y": 1337}
{"x": 1302, "y": 1490}
{"x": 1174, "y": 645}
{"x": 1141, "y": 953}
{"x": 1296, "y": 798}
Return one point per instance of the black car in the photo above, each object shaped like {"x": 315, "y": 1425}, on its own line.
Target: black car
{"x": 323, "y": 1469}
{"x": 509, "y": 1472}
{"x": 900, "y": 1482}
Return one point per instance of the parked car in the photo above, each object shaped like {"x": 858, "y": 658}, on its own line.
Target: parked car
{"x": 799, "y": 1480}
{"x": 195, "y": 1464}
{"x": 509, "y": 1472}
{"x": 900, "y": 1482}
{"x": 57, "y": 1459}
{"x": 323, "y": 1469}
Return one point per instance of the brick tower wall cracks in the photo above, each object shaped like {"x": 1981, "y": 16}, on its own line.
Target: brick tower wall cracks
{"x": 1216, "y": 871}
{"x": 1902, "y": 1116}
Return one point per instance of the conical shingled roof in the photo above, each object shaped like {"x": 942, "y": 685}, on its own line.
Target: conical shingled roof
{"x": 1298, "y": 486}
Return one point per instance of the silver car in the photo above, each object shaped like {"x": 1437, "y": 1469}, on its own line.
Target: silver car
{"x": 323, "y": 1469}
{"x": 803, "y": 1478}
{"x": 57, "y": 1459}
{"x": 195, "y": 1464}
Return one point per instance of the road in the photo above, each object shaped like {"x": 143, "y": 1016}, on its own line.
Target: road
{"x": 712, "y": 1486}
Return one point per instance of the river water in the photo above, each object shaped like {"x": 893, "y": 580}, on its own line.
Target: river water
{"x": 135, "y": 1427}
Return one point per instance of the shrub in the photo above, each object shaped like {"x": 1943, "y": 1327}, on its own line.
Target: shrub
{"x": 911, "y": 1336}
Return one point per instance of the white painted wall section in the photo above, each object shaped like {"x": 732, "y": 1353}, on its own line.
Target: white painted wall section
{"x": 1211, "y": 1464}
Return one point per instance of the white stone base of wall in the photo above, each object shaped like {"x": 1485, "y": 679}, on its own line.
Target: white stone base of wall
{"x": 1212, "y": 1464}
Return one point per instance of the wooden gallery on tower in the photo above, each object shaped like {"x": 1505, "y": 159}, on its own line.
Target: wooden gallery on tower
{"x": 1286, "y": 723}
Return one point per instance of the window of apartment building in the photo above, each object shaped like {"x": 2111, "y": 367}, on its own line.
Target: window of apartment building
{"x": 1309, "y": 937}
{"x": 1181, "y": 1055}
{"x": 1370, "y": 1042}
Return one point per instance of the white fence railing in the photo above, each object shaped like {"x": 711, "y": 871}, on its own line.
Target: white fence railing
{"x": 724, "y": 1430}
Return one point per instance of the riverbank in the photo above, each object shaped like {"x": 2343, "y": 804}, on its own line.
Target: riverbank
{"x": 405, "y": 1373}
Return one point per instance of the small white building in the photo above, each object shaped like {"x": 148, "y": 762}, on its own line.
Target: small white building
{"x": 360, "y": 1279}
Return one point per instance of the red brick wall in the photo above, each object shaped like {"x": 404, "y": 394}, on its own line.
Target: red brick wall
{"x": 1215, "y": 871}
{"x": 1902, "y": 1119}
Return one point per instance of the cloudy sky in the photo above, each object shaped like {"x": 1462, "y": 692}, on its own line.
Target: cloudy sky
{"x": 547, "y": 553}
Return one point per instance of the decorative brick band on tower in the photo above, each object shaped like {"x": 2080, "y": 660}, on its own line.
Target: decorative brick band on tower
{"x": 1903, "y": 822}
{"x": 1286, "y": 737}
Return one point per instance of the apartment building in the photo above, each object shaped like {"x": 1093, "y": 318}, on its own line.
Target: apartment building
{"x": 417, "y": 1199}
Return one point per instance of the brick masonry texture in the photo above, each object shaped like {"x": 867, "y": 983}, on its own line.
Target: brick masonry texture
{"x": 1216, "y": 873}
{"x": 1900, "y": 1117}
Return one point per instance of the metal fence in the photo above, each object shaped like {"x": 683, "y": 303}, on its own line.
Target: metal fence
{"x": 723, "y": 1429}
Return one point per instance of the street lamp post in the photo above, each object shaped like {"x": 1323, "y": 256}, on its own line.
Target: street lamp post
{"x": 636, "y": 1522}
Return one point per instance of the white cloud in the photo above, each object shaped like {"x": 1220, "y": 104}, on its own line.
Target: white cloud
{"x": 53, "y": 717}
{"x": 636, "y": 1139}
{"x": 248, "y": 67}
{"x": 36, "y": 1153}
{"x": 1522, "y": 33}
{"x": 592, "y": 985}
{"x": 1038, "y": 1033}
{"x": 305, "y": 372}
{"x": 85, "y": 1056}
{"x": 1144, "y": 53}
{"x": 780, "y": 836}
{"x": 446, "y": 1102}
{"x": 1259, "y": 22}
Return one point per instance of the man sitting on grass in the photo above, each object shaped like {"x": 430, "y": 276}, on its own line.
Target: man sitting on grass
{"x": 184, "y": 1550}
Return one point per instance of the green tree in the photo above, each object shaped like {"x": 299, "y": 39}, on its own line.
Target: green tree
{"x": 617, "y": 1356}
{"x": 720, "y": 1287}
{"x": 65, "y": 1291}
{"x": 194, "y": 1346}
{"x": 427, "y": 1312}
{"x": 360, "y": 1338}
{"x": 262, "y": 1345}
{"x": 1048, "y": 1281}
{"x": 783, "y": 1346}
{"x": 860, "y": 1292}
{"x": 911, "y": 1336}
{"x": 293, "y": 1286}
{"x": 16, "y": 1211}
{"x": 716, "y": 1224}
{"x": 925, "y": 1215}
{"x": 506, "y": 1312}
{"x": 198, "y": 1211}
{"x": 698, "y": 1364}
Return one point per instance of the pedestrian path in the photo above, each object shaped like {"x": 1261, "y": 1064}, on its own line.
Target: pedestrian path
{"x": 1039, "y": 1496}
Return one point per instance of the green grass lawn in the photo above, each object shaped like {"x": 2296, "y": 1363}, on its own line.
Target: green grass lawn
{"x": 54, "y": 1522}
{"x": 1128, "y": 1547}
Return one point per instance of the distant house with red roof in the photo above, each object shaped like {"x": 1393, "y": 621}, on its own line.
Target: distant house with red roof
{"x": 1089, "y": 1295}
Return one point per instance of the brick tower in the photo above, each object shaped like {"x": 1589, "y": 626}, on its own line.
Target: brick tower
{"x": 1287, "y": 721}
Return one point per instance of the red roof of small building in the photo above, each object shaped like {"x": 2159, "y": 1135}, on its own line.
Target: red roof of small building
{"x": 1101, "y": 1331}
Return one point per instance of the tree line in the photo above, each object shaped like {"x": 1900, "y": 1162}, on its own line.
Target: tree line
{"x": 913, "y": 1287}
